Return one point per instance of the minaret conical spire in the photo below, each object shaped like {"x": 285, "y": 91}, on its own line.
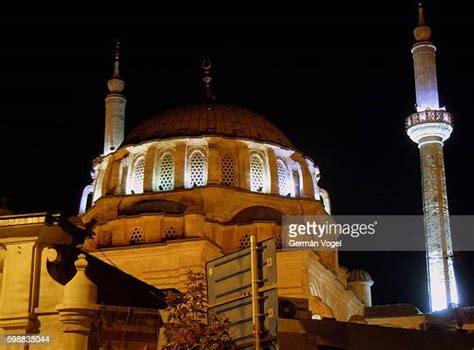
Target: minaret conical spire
{"x": 116, "y": 84}
{"x": 421, "y": 15}
{"x": 422, "y": 32}
{"x": 116, "y": 73}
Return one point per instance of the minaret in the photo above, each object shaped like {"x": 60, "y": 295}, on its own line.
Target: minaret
{"x": 429, "y": 127}
{"x": 114, "y": 109}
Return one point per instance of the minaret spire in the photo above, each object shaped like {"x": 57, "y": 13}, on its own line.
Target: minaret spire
{"x": 422, "y": 32}
{"x": 116, "y": 73}
{"x": 429, "y": 127}
{"x": 206, "y": 66}
{"x": 421, "y": 16}
{"x": 114, "y": 108}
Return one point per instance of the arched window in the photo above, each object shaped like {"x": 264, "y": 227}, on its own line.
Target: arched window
{"x": 228, "y": 170}
{"x": 257, "y": 174}
{"x": 138, "y": 175}
{"x": 196, "y": 172}
{"x": 283, "y": 179}
{"x": 166, "y": 173}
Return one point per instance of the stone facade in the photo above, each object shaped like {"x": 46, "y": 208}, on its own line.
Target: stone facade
{"x": 41, "y": 296}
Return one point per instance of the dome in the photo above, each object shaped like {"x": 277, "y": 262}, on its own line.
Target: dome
{"x": 208, "y": 119}
{"x": 359, "y": 276}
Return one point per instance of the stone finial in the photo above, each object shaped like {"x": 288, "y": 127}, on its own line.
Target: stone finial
{"x": 117, "y": 60}
{"x": 422, "y": 32}
{"x": 79, "y": 307}
{"x": 206, "y": 66}
{"x": 421, "y": 17}
{"x": 116, "y": 84}
{"x": 81, "y": 263}
{"x": 80, "y": 289}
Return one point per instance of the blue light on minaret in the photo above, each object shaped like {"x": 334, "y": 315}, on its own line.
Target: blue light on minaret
{"x": 429, "y": 127}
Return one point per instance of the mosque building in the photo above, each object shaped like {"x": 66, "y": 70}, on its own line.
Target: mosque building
{"x": 186, "y": 186}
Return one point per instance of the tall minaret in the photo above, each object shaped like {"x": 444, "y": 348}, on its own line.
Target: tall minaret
{"x": 114, "y": 109}
{"x": 429, "y": 127}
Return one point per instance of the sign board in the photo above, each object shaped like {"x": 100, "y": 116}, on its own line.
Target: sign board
{"x": 230, "y": 276}
{"x": 239, "y": 314}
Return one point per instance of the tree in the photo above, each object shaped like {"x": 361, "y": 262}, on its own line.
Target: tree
{"x": 187, "y": 326}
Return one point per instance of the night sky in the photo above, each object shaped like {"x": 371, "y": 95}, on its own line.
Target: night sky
{"x": 337, "y": 81}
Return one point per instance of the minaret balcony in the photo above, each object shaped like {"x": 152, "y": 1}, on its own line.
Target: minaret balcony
{"x": 429, "y": 124}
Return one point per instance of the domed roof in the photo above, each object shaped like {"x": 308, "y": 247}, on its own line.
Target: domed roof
{"x": 359, "y": 276}
{"x": 208, "y": 119}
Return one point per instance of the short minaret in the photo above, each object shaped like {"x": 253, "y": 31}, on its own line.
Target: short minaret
{"x": 429, "y": 127}
{"x": 114, "y": 109}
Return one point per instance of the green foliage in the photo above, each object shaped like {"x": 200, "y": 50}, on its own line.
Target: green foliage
{"x": 187, "y": 326}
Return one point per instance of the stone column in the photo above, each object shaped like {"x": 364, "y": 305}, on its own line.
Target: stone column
{"x": 243, "y": 163}
{"x": 272, "y": 171}
{"x": 308, "y": 188}
{"x": 213, "y": 165}
{"x": 79, "y": 307}
{"x": 179, "y": 165}
{"x": 150, "y": 159}
{"x": 114, "y": 173}
{"x": 19, "y": 271}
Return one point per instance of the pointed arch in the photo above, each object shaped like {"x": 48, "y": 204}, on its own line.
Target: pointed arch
{"x": 196, "y": 172}
{"x": 284, "y": 181}
{"x": 137, "y": 176}
{"x": 258, "y": 174}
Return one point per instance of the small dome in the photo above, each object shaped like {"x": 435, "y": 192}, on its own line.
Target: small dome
{"x": 359, "y": 276}
{"x": 208, "y": 119}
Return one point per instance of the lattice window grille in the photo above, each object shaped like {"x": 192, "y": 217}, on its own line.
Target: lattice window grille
{"x": 257, "y": 174}
{"x": 245, "y": 241}
{"x": 279, "y": 241}
{"x": 197, "y": 166}
{"x": 283, "y": 178}
{"x": 138, "y": 176}
{"x": 166, "y": 175}
{"x": 137, "y": 235}
{"x": 228, "y": 170}
{"x": 172, "y": 232}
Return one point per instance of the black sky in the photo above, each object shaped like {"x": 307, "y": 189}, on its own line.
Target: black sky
{"x": 338, "y": 81}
